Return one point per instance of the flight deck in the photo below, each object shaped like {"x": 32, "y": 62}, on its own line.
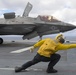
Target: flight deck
{"x": 8, "y": 61}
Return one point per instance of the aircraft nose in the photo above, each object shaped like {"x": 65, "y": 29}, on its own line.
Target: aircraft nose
{"x": 71, "y": 27}
{"x": 68, "y": 27}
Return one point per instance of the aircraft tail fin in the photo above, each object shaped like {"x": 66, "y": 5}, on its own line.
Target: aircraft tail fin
{"x": 27, "y": 9}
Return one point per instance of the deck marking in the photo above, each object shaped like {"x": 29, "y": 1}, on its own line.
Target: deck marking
{"x": 29, "y": 69}
{"x": 21, "y": 50}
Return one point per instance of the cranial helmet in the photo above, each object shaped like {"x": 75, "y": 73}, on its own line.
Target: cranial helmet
{"x": 60, "y": 38}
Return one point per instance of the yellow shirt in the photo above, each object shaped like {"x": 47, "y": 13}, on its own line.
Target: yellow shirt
{"x": 49, "y": 46}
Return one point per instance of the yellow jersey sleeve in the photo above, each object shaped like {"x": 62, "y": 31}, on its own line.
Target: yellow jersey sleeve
{"x": 39, "y": 43}
{"x": 65, "y": 46}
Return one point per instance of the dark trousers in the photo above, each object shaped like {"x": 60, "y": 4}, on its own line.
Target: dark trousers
{"x": 38, "y": 58}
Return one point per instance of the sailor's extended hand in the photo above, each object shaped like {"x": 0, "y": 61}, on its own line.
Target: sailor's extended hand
{"x": 32, "y": 49}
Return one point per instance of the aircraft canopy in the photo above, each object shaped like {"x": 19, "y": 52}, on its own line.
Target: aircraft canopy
{"x": 48, "y": 18}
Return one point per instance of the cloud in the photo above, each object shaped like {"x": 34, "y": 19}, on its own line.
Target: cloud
{"x": 65, "y": 14}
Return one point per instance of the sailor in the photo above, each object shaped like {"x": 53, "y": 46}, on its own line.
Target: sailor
{"x": 47, "y": 53}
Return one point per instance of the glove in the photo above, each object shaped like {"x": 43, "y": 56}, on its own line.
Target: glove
{"x": 32, "y": 49}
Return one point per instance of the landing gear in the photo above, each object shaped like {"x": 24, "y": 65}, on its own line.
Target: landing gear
{"x": 1, "y": 40}
{"x": 40, "y": 38}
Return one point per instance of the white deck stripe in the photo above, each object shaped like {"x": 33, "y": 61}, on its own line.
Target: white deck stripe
{"x": 21, "y": 50}
{"x": 6, "y": 68}
{"x": 34, "y": 69}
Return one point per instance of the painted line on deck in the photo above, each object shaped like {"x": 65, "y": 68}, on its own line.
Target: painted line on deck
{"x": 34, "y": 69}
{"x": 6, "y": 68}
{"x": 21, "y": 50}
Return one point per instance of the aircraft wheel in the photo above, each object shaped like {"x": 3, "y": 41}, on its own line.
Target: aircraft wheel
{"x": 1, "y": 40}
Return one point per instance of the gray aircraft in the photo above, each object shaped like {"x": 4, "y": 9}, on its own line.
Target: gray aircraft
{"x": 31, "y": 27}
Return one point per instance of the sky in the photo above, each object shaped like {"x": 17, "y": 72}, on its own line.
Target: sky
{"x": 64, "y": 10}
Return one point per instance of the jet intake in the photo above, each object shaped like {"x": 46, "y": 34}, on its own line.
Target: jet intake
{"x": 9, "y": 15}
{"x": 30, "y": 35}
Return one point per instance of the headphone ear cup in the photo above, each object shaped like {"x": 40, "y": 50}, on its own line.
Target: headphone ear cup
{"x": 61, "y": 40}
